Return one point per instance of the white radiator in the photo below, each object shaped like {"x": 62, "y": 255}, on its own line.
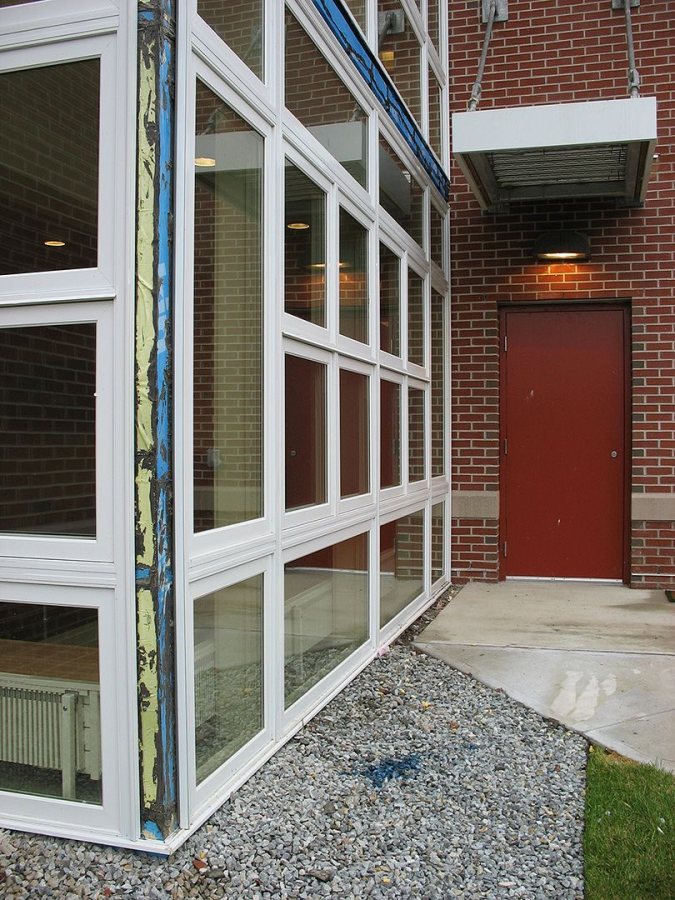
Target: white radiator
{"x": 50, "y": 726}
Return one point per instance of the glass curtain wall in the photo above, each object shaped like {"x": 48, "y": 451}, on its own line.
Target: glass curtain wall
{"x": 318, "y": 368}
{"x": 63, "y": 373}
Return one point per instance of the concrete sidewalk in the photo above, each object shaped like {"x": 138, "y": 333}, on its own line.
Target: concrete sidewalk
{"x": 598, "y": 658}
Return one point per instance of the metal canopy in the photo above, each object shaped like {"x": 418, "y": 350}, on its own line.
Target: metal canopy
{"x": 602, "y": 148}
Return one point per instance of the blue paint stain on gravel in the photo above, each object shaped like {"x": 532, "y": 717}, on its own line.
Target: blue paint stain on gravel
{"x": 405, "y": 767}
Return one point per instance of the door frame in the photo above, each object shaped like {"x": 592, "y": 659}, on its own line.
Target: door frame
{"x": 624, "y": 306}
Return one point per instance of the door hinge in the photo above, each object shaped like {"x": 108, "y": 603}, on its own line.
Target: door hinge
{"x": 505, "y": 549}
{"x": 506, "y": 343}
{"x": 506, "y": 446}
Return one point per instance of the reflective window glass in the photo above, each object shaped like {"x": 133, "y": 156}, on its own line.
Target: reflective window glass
{"x": 390, "y": 302}
{"x": 400, "y": 195}
{"x": 48, "y": 430}
{"x": 354, "y": 433}
{"x": 358, "y": 10}
{"x": 415, "y": 318}
{"x": 49, "y": 154}
{"x": 416, "y": 468}
{"x": 399, "y": 51}
{"x": 50, "y": 723}
{"x": 228, "y": 317}
{"x": 437, "y": 541}
{"x": 353, "y": 266}
{"x": 390, "y": 433}
{"x": 241, "y": 25}
{"x": 433, "y": 26}
{"x": 435, "y": 96}
{"x": 437, "y": 385}
{"x": 401, "y": 564}
{"x": 305, "y": 248}
{"x": 228, "y": 672}
{"x": 305, "y": 393}
{"x": 436, "y": 236}
{"x": 325, "y": 612}
{"x": 316, "y": 95}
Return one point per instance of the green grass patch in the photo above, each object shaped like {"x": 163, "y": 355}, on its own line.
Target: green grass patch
{"x": 629, "y": 838}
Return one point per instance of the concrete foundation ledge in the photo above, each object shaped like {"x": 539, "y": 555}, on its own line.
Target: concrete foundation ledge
{"x": 652, "y": 507}
{"x": 475, "y": 504}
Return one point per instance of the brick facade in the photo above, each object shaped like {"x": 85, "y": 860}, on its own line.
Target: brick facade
{"x": 547, "y": 53}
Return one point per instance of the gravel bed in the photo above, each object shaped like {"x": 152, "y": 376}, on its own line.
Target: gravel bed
{"x": 417, "y": 781}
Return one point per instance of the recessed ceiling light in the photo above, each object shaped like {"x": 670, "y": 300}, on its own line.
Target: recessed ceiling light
{"x": 205, "y": 162}
{"x": 298, "y": 226}
{"x": 55, "y": 243}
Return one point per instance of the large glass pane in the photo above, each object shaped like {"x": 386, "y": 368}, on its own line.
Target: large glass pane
{"x": 437, "y": 541}
{"x": 228, "y": 679}
{"x": 305, "y": 248}
{"x": 390, "y": 433}
{"x": 433, "y": 26}
{"x": 400, "y": 195}
{"x": 48, "y": 430}
{"x": 354, "y": 431}
{"x": 437, "y": 385}
{"x": 50, "y": 724}
{"x": 436, "y": 236}
{"x": 305, "y": 392}
{"x": 416, "y": 470}
{"x": 358, "y": 10}
{"x": 49, "y": 148}
{"x": 399, "y": 51}
{"x": 353, "y": 278}
{"x": 316, "y": 95}
{"x": 325, "y": 612}
{"x": 415, "y": 318}
{"x": 401, "y": 564}
{"x": 390, "y": 302}
{"x": 434, "y": 114}
{"x": 228, "y": 317}
{"x": 240, "y": 25}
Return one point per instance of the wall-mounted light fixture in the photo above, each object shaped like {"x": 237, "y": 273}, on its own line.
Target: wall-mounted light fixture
{"x": 562, "y": 246}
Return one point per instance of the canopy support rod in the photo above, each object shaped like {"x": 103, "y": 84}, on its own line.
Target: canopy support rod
{"x": 633, "y": 74}
{"x": 476, "y": 89}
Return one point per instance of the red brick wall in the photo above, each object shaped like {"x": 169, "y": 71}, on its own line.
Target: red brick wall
{"x": 550, "y": 53}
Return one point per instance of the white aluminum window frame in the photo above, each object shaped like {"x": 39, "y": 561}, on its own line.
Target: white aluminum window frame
{"x": 367, "y": 499}
{"x": 282, "y": 536}
{"x": 74, "y": 818}
{"x": 35, "y": 35}
{"x": 97, "y": 282}
{"x": 302, "y": 709}
{"x": 64, "y": 548}
{"x": 345, "y": 345}
{"x": 202, "y": 796}
{"x": 306, "y": 515}
{"x": 386, "y": 633}
{"x": 207, "y": 547}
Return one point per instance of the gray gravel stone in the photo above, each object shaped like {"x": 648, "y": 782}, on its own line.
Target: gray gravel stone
{"x": 417, "y": 781}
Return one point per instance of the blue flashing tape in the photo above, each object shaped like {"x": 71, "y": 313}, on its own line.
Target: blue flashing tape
{"x": 371, "y": 70}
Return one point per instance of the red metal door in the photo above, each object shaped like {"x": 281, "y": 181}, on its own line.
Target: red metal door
{"x": 563, "y": 443}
